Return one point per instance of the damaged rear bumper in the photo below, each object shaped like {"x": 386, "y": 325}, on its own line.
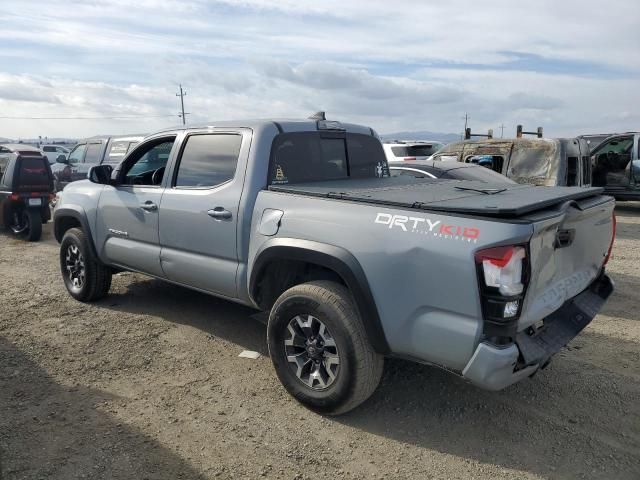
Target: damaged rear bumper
{"x": 495, "y": 367}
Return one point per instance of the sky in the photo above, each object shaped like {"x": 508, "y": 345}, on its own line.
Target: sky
{"x": 88, "y": 67}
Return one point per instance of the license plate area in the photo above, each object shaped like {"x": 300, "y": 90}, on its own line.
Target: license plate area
{"x": 564, "y": 324}
{"x": 35, "y": 202}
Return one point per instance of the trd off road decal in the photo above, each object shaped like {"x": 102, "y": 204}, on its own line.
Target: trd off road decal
{"x": 426, "y": 226}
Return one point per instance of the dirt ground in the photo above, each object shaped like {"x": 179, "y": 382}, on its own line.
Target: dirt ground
{"x": 147, "y": 383}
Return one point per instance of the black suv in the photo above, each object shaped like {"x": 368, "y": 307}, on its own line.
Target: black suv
{"x": 26, "y": 188}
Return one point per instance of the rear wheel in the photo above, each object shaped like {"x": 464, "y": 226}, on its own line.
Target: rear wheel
{"x": 85, "y": 277}
{"x": 27, "y": 223}
{"x": 320, "y": 349}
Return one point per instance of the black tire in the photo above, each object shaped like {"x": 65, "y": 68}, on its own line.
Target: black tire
{"x": 34, "y": 230}
{"x": 95, "y": 281}
{"x": 360, "y": 367}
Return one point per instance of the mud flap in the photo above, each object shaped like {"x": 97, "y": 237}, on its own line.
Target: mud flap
{"x": 564, "y": 324}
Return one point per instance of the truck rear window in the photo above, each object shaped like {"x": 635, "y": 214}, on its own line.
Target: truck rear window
{"x": 33, "y": 173}
{"x": 301, "y": 157}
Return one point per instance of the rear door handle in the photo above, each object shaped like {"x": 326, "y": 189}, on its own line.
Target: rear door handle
{"x": 219, "y": 213}
{"x": 149, "y": 206}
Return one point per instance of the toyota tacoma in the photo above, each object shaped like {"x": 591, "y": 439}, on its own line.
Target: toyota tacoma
{"x": 301, "y": 220}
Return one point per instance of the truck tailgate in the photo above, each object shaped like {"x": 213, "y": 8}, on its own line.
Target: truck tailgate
{"x": 567, "y": 252}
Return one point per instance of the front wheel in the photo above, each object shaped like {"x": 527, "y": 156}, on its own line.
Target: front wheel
{"x": 319, "y": 348}
{"x": 85, "y": 277}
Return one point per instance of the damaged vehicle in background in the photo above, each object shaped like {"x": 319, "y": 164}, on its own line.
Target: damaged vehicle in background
{"x": 26, "y": 188}
{"x": 616, "y": 166}
{"x": 537, "y": 161}
{"x": 90, "y": 152}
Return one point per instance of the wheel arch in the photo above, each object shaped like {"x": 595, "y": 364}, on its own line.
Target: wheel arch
{"x": 326, "y": 260}
{"x": 67, "y": 218}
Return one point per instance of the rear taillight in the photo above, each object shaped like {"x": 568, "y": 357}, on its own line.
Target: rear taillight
{"x": 14, "y": 197}
{"x": 503, "y": 276}
{"x": 502, "y": 268}
{"x": 613, "y": 238}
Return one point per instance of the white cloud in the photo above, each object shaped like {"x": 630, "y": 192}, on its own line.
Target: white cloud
{"x": 406, "y": 65}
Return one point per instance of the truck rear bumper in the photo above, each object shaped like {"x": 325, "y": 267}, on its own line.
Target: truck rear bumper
{"x": 494, "y": 367}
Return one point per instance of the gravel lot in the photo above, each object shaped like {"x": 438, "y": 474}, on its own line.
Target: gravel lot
{"x": 147, "y": 383}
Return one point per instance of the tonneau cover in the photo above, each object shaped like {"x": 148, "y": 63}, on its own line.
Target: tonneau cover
{"x": 453, "y": 196}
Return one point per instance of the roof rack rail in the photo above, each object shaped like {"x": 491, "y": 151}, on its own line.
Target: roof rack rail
{"x": 318, "y": 116}
{"x": 520, "y": 132}
{"x": 468, "y": 134}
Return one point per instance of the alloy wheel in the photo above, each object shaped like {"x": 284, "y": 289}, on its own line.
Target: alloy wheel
{"x": 311, "y": 352}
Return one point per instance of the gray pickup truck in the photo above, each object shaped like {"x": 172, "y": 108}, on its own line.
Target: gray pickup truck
{"x": 302, "y": 220}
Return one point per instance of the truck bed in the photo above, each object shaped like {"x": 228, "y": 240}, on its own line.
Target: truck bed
{"x": 454, "y": 196}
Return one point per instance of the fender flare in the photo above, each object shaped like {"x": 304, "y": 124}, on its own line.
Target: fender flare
{"x": 334, "y": 258}
{"x": 63, "y": 212}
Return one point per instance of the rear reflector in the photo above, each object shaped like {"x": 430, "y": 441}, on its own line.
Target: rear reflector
{"x": 409, "y": 159}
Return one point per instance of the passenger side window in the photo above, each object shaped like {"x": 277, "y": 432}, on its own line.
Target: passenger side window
{"x": 147, "y": 166}
{"x": 77, "y": 154}
{"x": 93, "y": 153}
{"x": 208, "y": 160}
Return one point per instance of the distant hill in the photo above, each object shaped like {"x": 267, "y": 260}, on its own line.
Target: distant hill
{"x": 438, "y": 137}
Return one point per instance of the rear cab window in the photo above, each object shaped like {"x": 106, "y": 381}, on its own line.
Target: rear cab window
{"x": 300, "y": 157}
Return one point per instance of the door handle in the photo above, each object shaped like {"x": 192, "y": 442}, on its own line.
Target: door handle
{"x": 219, "y": 213}
{"x": 149, "y": 206}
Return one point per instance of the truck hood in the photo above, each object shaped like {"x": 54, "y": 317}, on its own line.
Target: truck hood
{"x": 452, "y": 196}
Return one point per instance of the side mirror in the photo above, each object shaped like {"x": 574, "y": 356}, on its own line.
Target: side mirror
{"x": 62, "y": 159}
{"x": 100, "y": 174}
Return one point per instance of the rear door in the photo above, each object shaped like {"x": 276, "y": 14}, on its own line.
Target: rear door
{"x": 199, "y": 211}
{"x": 127, "y": 223}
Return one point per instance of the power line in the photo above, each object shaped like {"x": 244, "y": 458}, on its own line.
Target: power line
{"x": 182, "y": 95}
{"x": 84, "y": 118}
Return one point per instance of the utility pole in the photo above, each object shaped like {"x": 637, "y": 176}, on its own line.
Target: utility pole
{"x": 182, "y": 95}
{"x": 466, "y": 119}
{"x": 502, "y": 130}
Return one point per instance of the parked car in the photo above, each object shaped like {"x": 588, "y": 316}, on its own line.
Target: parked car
{"x": 301, "y": 219}
{"x": 406, "y": 150}
{"x": 89, "y": 152}
{"x": 5, "y": 153}
{"x": 54, "y": 152}
{"x": 538, "y": 161}
{"x": 447, "y": 170}
{"x": 26, "y": 187}
{"x": 616, "y": 166}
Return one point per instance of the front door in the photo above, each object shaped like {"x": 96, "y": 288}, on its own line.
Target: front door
{"x": 128, "y": 218}
{"x": 199, "y": 212}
